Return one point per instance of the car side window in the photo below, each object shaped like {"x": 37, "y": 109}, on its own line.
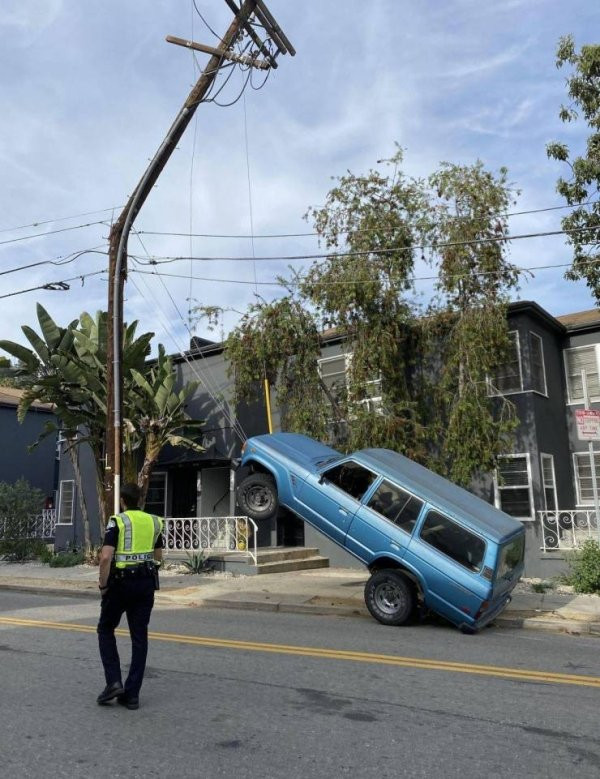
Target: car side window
{"x": 351, "y": 477}
{"x": 397, "y": 505}
{"x": 453, "y": 540}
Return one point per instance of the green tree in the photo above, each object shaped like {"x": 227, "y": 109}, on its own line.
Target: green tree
{"x": 583, "y": 181}
{"x": 429, "y": 367}
{"x": 475, "y": 279}
{"x": 279, "y": 341}
{"x": 372, "y": 224}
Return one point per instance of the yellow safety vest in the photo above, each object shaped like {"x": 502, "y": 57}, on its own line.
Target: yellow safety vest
{"x": 138, "y": 533}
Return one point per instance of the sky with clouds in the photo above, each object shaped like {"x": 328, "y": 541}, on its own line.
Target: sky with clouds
{"x": 89, "y": 90}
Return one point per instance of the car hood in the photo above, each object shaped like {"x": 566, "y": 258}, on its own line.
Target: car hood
{"x": 296, "y": 448}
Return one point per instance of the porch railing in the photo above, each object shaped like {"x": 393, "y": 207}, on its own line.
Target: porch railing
{"x": 39, "y": 526}
{"x": 211, "y": 534}
{"x": 567, "y": 529}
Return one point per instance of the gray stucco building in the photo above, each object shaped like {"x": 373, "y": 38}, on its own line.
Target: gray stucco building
{"x": 545, "y": 481}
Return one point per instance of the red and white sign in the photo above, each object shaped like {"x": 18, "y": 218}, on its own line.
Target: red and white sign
{"x": 588, "y": 424}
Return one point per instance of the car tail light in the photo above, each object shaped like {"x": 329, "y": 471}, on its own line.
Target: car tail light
{"x": 484, "y": 606}
{"x": 244, "y": 445}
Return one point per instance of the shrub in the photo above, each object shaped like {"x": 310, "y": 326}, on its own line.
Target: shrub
{"x": 584, "y": 568}
{"x": 196, "y": 563}
{"x": 66, "y": 559}
{"x": 18, "y": 503}
{"x": 542, "y": 586}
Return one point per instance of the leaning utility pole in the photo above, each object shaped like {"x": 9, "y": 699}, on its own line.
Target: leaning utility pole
{"x": 119, "y": 234}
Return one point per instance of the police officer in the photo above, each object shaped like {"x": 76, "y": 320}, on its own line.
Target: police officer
{"x": 129, "y": 560}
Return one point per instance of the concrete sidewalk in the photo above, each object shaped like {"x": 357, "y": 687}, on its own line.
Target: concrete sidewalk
{"x": 333, "y": 591}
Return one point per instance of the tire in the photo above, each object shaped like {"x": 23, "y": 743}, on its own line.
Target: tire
{"x": 257, "y": 496}
{"x": 390, "y": 597}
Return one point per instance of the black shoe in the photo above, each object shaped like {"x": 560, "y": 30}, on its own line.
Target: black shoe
{"x": 130, "y": 701}
{"x": 109, "y": 692}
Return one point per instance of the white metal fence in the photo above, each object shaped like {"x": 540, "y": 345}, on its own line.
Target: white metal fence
{"x": 211, "y": 534}
{"x": 40, "y": 526}
{"x": 567, "y": 529}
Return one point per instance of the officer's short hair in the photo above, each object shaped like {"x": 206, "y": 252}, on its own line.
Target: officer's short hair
{"x": 131, "y": 495}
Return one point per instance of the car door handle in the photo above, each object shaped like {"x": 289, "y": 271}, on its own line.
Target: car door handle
{"x": 343, "y": 511}
{"x": 394, "y": 546}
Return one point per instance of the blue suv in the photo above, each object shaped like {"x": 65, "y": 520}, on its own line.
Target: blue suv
{"x": 424, "y": 539}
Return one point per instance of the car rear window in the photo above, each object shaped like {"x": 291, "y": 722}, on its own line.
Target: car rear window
{"x": 453, "y": 540}
{"x": 511, "y": 555}
{"x": 397, "y": 505}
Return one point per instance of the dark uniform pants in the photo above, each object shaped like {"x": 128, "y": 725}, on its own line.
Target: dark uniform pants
{"x": 135, "y": 597}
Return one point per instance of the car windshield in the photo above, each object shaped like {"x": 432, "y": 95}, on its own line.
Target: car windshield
{"x": 511, "y": 555}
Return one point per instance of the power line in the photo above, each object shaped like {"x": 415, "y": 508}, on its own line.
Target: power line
{"x": 163, "y": 260}
{"x": 205, "y": 22}
{"x": 39, "y": 223}
{"x": 55, "y": 286}
{"x": 52, "y": 232}
{"x": 344, "y": 232}
{"x": 60, "y": 260}
{"x": 284, "y": 283}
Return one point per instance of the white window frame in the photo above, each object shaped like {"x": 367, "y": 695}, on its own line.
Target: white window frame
{"x": 592, "y": 398}
{"x": 492, "y": 390}
{"x": 498, "y": 487}
{"x": 372, "y": 403}
{"x": 347, "y": 358}
{"x": 59, "y": 520}
{"x": 165, "y": 475}
{"x": 586, "y": 454}
{"x": 550, "y": 458}
{"x": 541, "y": 341}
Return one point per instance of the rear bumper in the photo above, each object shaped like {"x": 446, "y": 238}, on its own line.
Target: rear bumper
{"x": 488, "y": 617}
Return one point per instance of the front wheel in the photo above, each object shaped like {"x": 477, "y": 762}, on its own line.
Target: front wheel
{"x": 390, "y": 597}
{"x": 257, "y": 496}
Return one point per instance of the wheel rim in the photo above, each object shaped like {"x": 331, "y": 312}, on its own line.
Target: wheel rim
{"x": 389, "y": 598}
{"x": 258, "y": 498}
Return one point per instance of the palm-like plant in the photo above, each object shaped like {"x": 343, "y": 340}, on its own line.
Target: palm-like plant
{"x": 157, "y": 418}
{"x": 67, "y": 367}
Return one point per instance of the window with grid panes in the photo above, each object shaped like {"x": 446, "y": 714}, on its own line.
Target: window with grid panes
{"x": 583, "y": 474}
{"x": 508, "y": 376}
{"x": 157, "y": 495}
{"x": 66, "y": 502}
{"x": 513, "y": 487}
{"x": 333, "y": 373}
{"x": 578, "y": 360}
{"x": 549, "y": 482}
{"x": 538, "y": 374}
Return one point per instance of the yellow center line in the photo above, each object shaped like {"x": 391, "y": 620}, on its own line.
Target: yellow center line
{"x": 330, "y": 654}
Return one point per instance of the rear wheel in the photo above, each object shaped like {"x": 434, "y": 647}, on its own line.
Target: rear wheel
{"x": 257, "y": 496}
{"x": 390, "y": 597}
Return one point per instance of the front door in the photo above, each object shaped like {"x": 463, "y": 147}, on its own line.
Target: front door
{"x": 184, "y": 493}
{"x": 332, "y": 497}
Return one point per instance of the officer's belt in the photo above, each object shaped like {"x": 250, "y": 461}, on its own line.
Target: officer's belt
{"x": 131, "y": 557}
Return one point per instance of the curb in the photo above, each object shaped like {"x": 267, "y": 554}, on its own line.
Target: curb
{"x": 506, "y": 620}
{"x": 37, "y": 590}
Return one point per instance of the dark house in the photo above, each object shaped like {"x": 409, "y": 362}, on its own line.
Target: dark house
{"x": 40, "y": 466}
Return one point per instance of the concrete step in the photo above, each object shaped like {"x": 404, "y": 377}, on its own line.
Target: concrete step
{"x": 298, "y": 564}
{"x": 275, "y": 554}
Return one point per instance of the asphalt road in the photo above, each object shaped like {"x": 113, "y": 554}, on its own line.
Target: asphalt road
{"x": 260, "y": 694}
